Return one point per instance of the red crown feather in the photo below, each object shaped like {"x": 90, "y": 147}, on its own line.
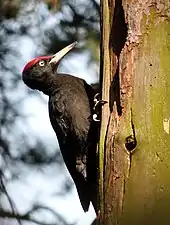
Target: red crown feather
{"x": 34, "y": 61}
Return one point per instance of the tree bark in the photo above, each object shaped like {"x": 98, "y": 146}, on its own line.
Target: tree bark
{"x": 134, "y": 150}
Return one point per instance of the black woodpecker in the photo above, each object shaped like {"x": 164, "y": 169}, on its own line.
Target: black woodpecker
{"x": 70, "y": 111}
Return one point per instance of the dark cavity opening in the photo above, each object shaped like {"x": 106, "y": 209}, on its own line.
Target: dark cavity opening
{"x": 117, "y": 41}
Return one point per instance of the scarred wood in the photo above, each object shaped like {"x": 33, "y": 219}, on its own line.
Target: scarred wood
{"x": 135, "y": 186}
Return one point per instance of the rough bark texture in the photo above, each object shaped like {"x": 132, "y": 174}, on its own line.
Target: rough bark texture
{"x": 134, "y": 157}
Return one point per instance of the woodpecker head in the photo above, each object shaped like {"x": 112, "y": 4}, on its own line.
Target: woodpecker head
{"x": 38, "y": 71}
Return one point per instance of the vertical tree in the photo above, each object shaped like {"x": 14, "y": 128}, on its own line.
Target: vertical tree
{"x": 25, "y": 32}
{"x": 134, "y": 157}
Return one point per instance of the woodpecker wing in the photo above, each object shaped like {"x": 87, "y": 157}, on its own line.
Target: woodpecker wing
{"x": 69, "y": 112}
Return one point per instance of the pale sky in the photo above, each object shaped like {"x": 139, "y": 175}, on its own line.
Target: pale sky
{"x": 37, "y": 185}
{"x": 42, "y": 187}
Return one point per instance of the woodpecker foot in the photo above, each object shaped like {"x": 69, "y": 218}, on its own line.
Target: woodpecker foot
{"x": 98, "y": 103}
{"x": 98, "y": 215}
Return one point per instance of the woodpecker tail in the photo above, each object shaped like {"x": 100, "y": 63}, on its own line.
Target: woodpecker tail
{"x": 83, "y": 191}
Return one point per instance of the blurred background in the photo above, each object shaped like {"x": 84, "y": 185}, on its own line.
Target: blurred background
{"x": 35, "y": 187}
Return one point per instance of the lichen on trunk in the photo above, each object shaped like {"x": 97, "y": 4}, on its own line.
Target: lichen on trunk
{"x": 134, "y": 145}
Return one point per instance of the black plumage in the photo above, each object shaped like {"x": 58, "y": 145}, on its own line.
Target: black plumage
{"x": 70, "y": 111}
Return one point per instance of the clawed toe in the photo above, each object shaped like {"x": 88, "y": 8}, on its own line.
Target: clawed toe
{"x": 98, "y": 103}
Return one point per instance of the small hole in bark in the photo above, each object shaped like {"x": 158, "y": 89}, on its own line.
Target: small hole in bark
{"x": 150, "y": 64}
{"x": 130, "y": 143}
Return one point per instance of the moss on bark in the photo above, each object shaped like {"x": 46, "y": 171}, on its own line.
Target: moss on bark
{"x": 136, "y": 184}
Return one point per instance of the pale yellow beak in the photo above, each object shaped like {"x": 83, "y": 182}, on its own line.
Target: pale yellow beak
{"x": 59, "y": 55}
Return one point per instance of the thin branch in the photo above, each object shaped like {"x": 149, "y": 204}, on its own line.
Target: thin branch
{"x": 37, "y": 207}
{"x": 13, "y": 207}
{"x": 26, "y": 217}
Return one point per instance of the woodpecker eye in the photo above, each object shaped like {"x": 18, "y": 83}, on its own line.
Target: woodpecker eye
{"x": 41, "y": 63}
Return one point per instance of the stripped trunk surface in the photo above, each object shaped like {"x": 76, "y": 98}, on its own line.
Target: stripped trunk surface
{"x": 134, "y": 150}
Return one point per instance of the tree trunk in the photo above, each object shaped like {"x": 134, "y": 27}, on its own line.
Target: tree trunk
{"x": 134, "y": 152}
